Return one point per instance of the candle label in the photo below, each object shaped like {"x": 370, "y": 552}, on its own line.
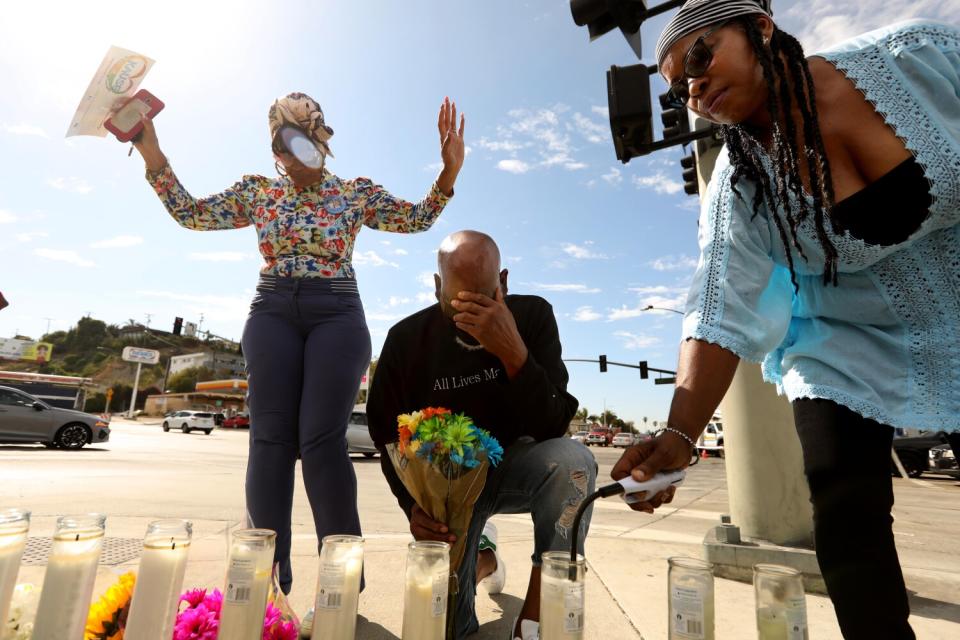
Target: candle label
{"x": 330, "y": 593}
{"x": 796, "y": 619}
{"x": 439, "y": 596}
{"x": 573, "y": 607}
{"x": 686, "y": 604}
{"x": 239, "y": 580}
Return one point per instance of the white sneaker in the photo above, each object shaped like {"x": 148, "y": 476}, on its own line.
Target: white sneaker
{"x": 494, "y": 582}
{"x": 529, "y": 630}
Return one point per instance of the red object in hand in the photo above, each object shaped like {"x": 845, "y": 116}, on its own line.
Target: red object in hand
{"x": 126, "y": 122}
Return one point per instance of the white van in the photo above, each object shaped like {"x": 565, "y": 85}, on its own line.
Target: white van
{"x": 711, "y": 440}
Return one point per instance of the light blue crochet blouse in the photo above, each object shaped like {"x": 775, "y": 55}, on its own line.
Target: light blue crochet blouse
{"x": 886, "y": 341}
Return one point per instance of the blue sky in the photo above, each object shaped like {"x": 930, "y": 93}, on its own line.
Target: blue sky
{"x": 81, "y": 232}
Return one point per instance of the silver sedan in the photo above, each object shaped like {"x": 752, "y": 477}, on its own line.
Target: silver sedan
{"x": 358, "y": 433}
{"x": 24, "y": 418}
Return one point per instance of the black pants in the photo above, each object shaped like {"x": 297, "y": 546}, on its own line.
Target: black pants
{"x": 847, "y": 462}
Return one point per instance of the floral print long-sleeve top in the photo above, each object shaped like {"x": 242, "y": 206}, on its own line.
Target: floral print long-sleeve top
{"x": 302, "y": 232}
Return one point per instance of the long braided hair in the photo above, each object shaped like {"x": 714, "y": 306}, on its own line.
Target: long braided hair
{"x": 790, "y": 84}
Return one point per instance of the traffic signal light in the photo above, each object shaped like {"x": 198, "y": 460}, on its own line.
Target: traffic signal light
{"x": 644, "y": 374}
{"x": 676, "y": 122}
{"x": 602, "y": 16}
{"x": 177, "y": 326}
{"x": 691, "y": 185}
{"x": 631, "y": 116}
{"x": 603, "y": 364}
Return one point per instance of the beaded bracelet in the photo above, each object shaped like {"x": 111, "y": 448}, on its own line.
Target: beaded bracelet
{"x": 693, "y": 445}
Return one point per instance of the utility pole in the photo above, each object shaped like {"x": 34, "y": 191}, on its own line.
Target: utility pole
{"x": 48, "y": 325}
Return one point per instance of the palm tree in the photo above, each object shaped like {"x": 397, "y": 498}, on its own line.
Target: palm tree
{"x": 582, "y": 414}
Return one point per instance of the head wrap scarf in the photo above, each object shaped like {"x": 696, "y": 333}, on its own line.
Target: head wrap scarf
{"x": 303, "y": 112}
{"x": 697, "y": 14}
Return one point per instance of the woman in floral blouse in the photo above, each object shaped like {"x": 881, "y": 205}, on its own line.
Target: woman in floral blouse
{"x": 306, "y": 340}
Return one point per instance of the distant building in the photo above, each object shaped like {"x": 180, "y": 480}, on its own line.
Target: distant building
{"x": 213, "y": 360}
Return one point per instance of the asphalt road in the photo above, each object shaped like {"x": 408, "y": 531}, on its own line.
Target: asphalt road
{"x": 144, "y": 474}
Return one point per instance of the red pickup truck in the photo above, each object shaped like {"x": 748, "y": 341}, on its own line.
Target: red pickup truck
{"x": 601, "y": 436}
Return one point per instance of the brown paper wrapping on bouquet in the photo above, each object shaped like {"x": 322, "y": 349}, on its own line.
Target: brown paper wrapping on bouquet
{"x": 447, "y": 500}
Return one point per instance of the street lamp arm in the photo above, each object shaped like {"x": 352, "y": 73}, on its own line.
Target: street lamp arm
{"x": 650, "y": 307}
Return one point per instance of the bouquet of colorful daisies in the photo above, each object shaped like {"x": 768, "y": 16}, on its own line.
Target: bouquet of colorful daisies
{"x": 442, "y": 459}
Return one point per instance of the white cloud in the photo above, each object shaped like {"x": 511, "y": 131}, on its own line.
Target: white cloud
{"x": 513, "y": 166}
{"x": 659, "y": 182}
{"x": 24, "y": 129}
{"x": 582, "y": 252}
{"x": 655, "y": 290}
{"x": 7, "y": 217}
{"x": 219, "y": 256}
{"x": 633, "y": 341}
{"x": 562, "y": 288}
{"x": 401, "y": 252}
{"x": 613, "y": 178}
{"x": 544, "y": 135}
{"x": 601, "y": 111}
{"x": 371, "y": 258}
{"x": 594, "y": 132}
{"x": 30, "y": 236}
{"x": 426, "y": 280}
{"x": 425, "y": 297}
{"x": 673, "y": 263}
{"x": 72, "y": 184}
{"x": 624, "y": 313}
{"x": 508, "y": 146}
{"x": 822, "y": 23}
{"x": 586, "y": 314}
{"x": 63, "y": 255}
{"x": 117, "y": 242}
{"x": 396, "y": 301}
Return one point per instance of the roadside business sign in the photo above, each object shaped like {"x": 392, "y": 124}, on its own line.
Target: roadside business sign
{"x": 141, "y": 356}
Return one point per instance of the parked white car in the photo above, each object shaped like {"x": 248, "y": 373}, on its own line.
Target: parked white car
{"x": 188, "y": 421}
{"x": 623, "y": 439}
{"x": 580, "y": 436}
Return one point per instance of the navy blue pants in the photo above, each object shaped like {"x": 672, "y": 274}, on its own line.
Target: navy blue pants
{"x": 307, "y": 346}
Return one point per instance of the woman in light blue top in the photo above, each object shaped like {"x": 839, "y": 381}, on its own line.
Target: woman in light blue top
{"x": 831, "y": 253}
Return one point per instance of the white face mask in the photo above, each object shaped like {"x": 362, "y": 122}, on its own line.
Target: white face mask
{"x": 301, "y": 147}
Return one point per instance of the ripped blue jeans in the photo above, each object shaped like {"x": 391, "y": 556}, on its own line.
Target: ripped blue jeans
{"x": 546, "y": 479}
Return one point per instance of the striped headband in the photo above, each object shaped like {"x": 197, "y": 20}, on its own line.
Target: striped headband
{"x": 697, "y": 14}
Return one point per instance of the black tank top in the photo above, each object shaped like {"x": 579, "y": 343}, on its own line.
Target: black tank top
{"x": 889, "y": 209}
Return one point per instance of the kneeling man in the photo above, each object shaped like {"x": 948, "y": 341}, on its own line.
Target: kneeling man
{"x": 495, "y": 358}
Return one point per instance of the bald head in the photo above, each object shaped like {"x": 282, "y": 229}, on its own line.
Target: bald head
{"x": 468, "y": 261}
{"x": 472, "y": 258}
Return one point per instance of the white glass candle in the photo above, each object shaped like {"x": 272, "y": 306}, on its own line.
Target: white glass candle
{"x": 690, "y": 594}
{"x": 248, "y": 584}
{"x": 14, "y": 524}
{"x": 425, "y": 597}
{"x": 561, "y": 596}
{"x": 68, "y": 582}
{"x": 156, "y": 595}
{"x": 781, "y": 604}
{"x": 338, "y": 588}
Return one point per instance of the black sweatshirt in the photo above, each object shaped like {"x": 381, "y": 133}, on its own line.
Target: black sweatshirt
{"x": 422, "y": 365}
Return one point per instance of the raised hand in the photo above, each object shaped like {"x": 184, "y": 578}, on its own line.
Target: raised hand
{"x": 452, "y": 150}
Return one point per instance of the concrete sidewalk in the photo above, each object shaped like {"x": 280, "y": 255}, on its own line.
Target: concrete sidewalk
{"x": 144, "y": 474}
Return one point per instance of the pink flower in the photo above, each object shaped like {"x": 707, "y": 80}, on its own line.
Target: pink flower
{"x": 214, "y": 601}
{"x": 197, "y": 623}
{"x": 194, "y": 597}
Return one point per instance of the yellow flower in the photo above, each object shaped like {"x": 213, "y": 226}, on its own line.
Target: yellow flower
{"x": 105, "y": 613}
{"x": 413, "y": 447}
{"x": 410, "y": 420}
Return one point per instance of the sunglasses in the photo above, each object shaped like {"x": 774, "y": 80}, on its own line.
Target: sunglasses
{"x": 695, "y": 64}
